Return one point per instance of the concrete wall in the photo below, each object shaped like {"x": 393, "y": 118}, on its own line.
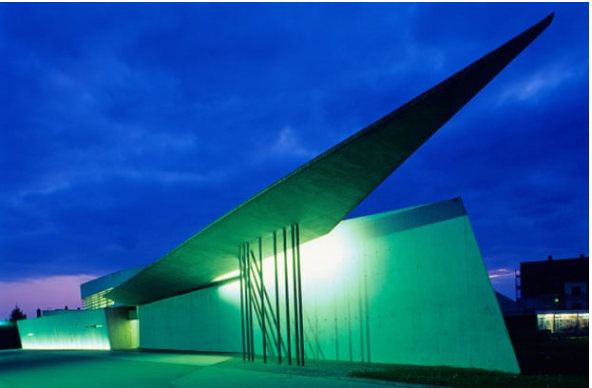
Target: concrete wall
{"x": 101, "y": 329}
{"x": 123, "y": 331}
{"x": 415, "y": 291}
{"x": 79, "y": 329}
{"x": 404, "y": 287}
{"x": 204, "y": 320}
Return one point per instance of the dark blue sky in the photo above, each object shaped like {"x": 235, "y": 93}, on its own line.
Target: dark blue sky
{"x": 126, "y": 128}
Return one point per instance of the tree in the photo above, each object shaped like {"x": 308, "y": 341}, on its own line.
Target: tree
{"x": 17, "y": 314}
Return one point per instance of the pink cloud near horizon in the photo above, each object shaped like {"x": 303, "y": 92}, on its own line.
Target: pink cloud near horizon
{"x": 504, "y": 281}
{"x": 48, "y": 293}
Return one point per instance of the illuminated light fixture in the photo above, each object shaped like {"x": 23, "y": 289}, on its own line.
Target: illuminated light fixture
{"x": 230, "y": 275}
{"x": 94, "y": 326}
{"x": 30, "y": 334}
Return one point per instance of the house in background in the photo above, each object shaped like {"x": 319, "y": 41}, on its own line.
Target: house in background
{"x": 557, "y": 291}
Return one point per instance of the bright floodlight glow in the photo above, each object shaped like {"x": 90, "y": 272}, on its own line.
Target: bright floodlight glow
{"x": 65, "y": 342}
{"x": 230, "y": 292}
{"x": 322, "y": 258}
{"x": 230, "y": 275}
{"x": 85, "y": 329}
{"x": 322, "y": 262}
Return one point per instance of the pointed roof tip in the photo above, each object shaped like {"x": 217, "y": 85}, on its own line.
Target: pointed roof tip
{"x": 524, "y": 39}
{"x": 544, "y": 23}
{"x": 549, "y": 18}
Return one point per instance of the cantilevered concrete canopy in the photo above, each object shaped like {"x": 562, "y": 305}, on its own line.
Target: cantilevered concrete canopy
{"x": 319, "y": 194}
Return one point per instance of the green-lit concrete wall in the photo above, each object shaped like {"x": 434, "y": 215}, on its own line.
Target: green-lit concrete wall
{"x": 405, "y": 287}
{"x": 414, "y": 291}
{"x": 123, "y": 331}
{"x": 84, "y": 329}
{"x": 101, "y": 329}
{"x": 205, "y": 320}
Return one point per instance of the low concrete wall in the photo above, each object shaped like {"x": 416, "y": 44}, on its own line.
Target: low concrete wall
{"x": 78, "y": 329}
{"x": 101, "y": 329}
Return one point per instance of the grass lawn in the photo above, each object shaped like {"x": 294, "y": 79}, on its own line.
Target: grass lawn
{"x": 553, "y": 356}
{"x": 470, "y": 378}
{"x": 544, "y": 363}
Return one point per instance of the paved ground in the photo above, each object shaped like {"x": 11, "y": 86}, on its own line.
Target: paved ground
{"x": 64, "y": 369}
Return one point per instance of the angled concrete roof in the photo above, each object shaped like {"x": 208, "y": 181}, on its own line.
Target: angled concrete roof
{"x": 319, "y": 194}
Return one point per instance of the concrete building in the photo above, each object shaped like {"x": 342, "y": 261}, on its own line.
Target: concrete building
{"x": 411, "y": 280}
{"x": 284, "y": 278}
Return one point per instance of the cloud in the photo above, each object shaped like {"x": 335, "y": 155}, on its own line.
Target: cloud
{"x": 500, "y": 274}
{"x": 539, "y": 84}
{"x": 47, "y": 293}
{"x": 503, "y": 281}
{"x": 289, "y": 145}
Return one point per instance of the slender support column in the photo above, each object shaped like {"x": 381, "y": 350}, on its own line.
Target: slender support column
{"x": 246, "y": 306}
{"x": 246, "y": 292}
{"x": 261, "y": 296}
{"x": 297, "y": 339}
{"x": 277, "y": 300}
{"x": 287, "y": 297}
{"x": 300, "y": 313}
{"x": 250, "y": 303}
{"x": 242, "y": 299}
